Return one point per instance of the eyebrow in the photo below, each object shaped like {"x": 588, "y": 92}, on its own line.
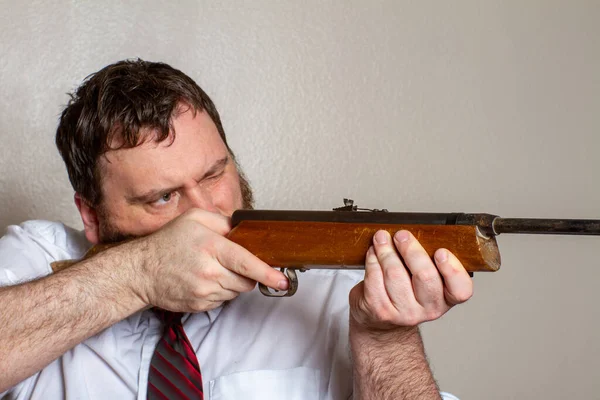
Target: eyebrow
{"x": 153, "y": 194}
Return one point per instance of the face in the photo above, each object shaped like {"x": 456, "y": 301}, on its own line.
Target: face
{"x": 145, "y": 187}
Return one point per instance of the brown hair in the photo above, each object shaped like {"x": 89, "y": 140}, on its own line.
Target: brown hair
{"x": 117, "y": 102}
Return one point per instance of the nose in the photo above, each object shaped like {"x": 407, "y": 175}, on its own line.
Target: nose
{"x": 199, "y": 197}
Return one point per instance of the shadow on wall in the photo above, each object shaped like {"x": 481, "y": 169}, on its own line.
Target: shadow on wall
{"x": 15, "y": 206}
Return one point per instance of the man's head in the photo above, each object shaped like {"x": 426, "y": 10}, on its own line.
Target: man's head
{"x": 138, "y": 137}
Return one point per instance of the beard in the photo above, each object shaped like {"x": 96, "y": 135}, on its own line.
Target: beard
{"x": 111, "y": 234}
{"x": 247, "y": 193}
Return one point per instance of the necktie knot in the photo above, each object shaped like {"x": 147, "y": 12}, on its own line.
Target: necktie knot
{"x": 168, "y": 318}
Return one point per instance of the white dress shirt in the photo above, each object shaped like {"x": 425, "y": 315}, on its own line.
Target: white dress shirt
{"x": 254, "y": 347}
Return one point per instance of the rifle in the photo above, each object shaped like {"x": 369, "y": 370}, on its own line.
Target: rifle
{"x": 339, "y": 239}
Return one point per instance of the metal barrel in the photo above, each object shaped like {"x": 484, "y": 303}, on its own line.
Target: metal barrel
{"x": 547, "y": 226}
{"x": 346, "y": 216}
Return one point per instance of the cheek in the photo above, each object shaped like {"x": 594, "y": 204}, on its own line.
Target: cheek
{"x": 134, "y": 221}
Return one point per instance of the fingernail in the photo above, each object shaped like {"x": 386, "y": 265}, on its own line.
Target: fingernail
{"x": 282, "y": 285}
{"x": 381, "y": 237}
{"x": 441, "y": 255}
{"x": 402, "y": 236}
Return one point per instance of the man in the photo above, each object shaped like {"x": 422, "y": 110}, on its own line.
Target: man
{"x": 147, "y": 156}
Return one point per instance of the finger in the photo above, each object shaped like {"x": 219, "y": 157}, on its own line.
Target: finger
{"x": 207, "y": 306}
{"x": 426, "y": 280}
{"x": 374, "y": 287}
{"x": 209, "y": 303}
{"x": 238, "y": 283}
{"x": 239, "y": 260}
{"x": 216, "y": 295}
{"x": 458, "y": 285}
{"x": 223, "y": 295}
{"x": 396, "y": 278}
{"x": 215, "y": 222}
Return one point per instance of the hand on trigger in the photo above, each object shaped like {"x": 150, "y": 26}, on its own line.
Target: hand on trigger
{"x": 190, "y": 266}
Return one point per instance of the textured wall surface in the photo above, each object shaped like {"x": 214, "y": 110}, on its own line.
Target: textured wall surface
{"x": 409, "y": 105}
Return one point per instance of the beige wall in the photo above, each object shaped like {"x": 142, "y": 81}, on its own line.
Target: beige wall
{"x": 477, "y": 106}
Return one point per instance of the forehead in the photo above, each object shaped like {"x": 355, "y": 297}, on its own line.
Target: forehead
{"x": 194, "y": 147}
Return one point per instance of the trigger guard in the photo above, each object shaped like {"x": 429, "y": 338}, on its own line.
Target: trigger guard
{"x": 292, "y": 278}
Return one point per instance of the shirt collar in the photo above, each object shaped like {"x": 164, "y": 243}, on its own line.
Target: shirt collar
{"x": 145, "y": 314}
{"x": 214, "y": 313}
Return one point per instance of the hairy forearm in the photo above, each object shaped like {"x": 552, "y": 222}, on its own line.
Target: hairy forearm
{"x": 42, "y": 319}
{"x": 390, "y": 365}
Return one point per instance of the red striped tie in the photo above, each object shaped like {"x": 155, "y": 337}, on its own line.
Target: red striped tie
{"x": 174, "y": 369}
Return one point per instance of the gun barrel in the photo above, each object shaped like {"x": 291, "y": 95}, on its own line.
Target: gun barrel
{"x": 547, "y": 226}
{"x": 421, "y": 218}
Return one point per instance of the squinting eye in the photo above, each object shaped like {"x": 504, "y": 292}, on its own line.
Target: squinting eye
{"x": 166, "y": 197}
{"x": 220, "y": 174}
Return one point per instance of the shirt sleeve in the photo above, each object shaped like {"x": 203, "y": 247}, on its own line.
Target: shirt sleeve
{"x": 22, "y": 256}
{"x": 448, "y": 396}
{"x": 26, "y": 252}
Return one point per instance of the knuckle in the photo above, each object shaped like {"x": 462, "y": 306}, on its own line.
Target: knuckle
{"x": 248, "y": 285}
{"x": 242, "y": 267}
{"x": 383, "y": 315}
{"x": 412, "y": 318}
{"x": 388, "y": 256}
{"x": 403, "y": 317}
{"x": 224, "y": 225}
{"x": 212, "y": 274}
{"x": 459, "y": 269}
{"x": 394, "y": 273}
{"x": 433, "y": 314}
{"x": 427, "y": 276}
{"x": 201, "y": 292}
{"x": 237, "y": 261}
{"x": 462, "y": 296}
{"x": 231, "y": 296}
{"x": 453, "y": 267}
{"x": 209, "y": 247}
{"x": 453, "y": 270}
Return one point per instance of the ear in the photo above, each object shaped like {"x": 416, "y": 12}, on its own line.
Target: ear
{"x": 89, "y": 216}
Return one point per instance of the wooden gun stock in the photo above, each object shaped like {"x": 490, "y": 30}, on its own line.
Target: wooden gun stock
{"x": 308, "y": 245}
